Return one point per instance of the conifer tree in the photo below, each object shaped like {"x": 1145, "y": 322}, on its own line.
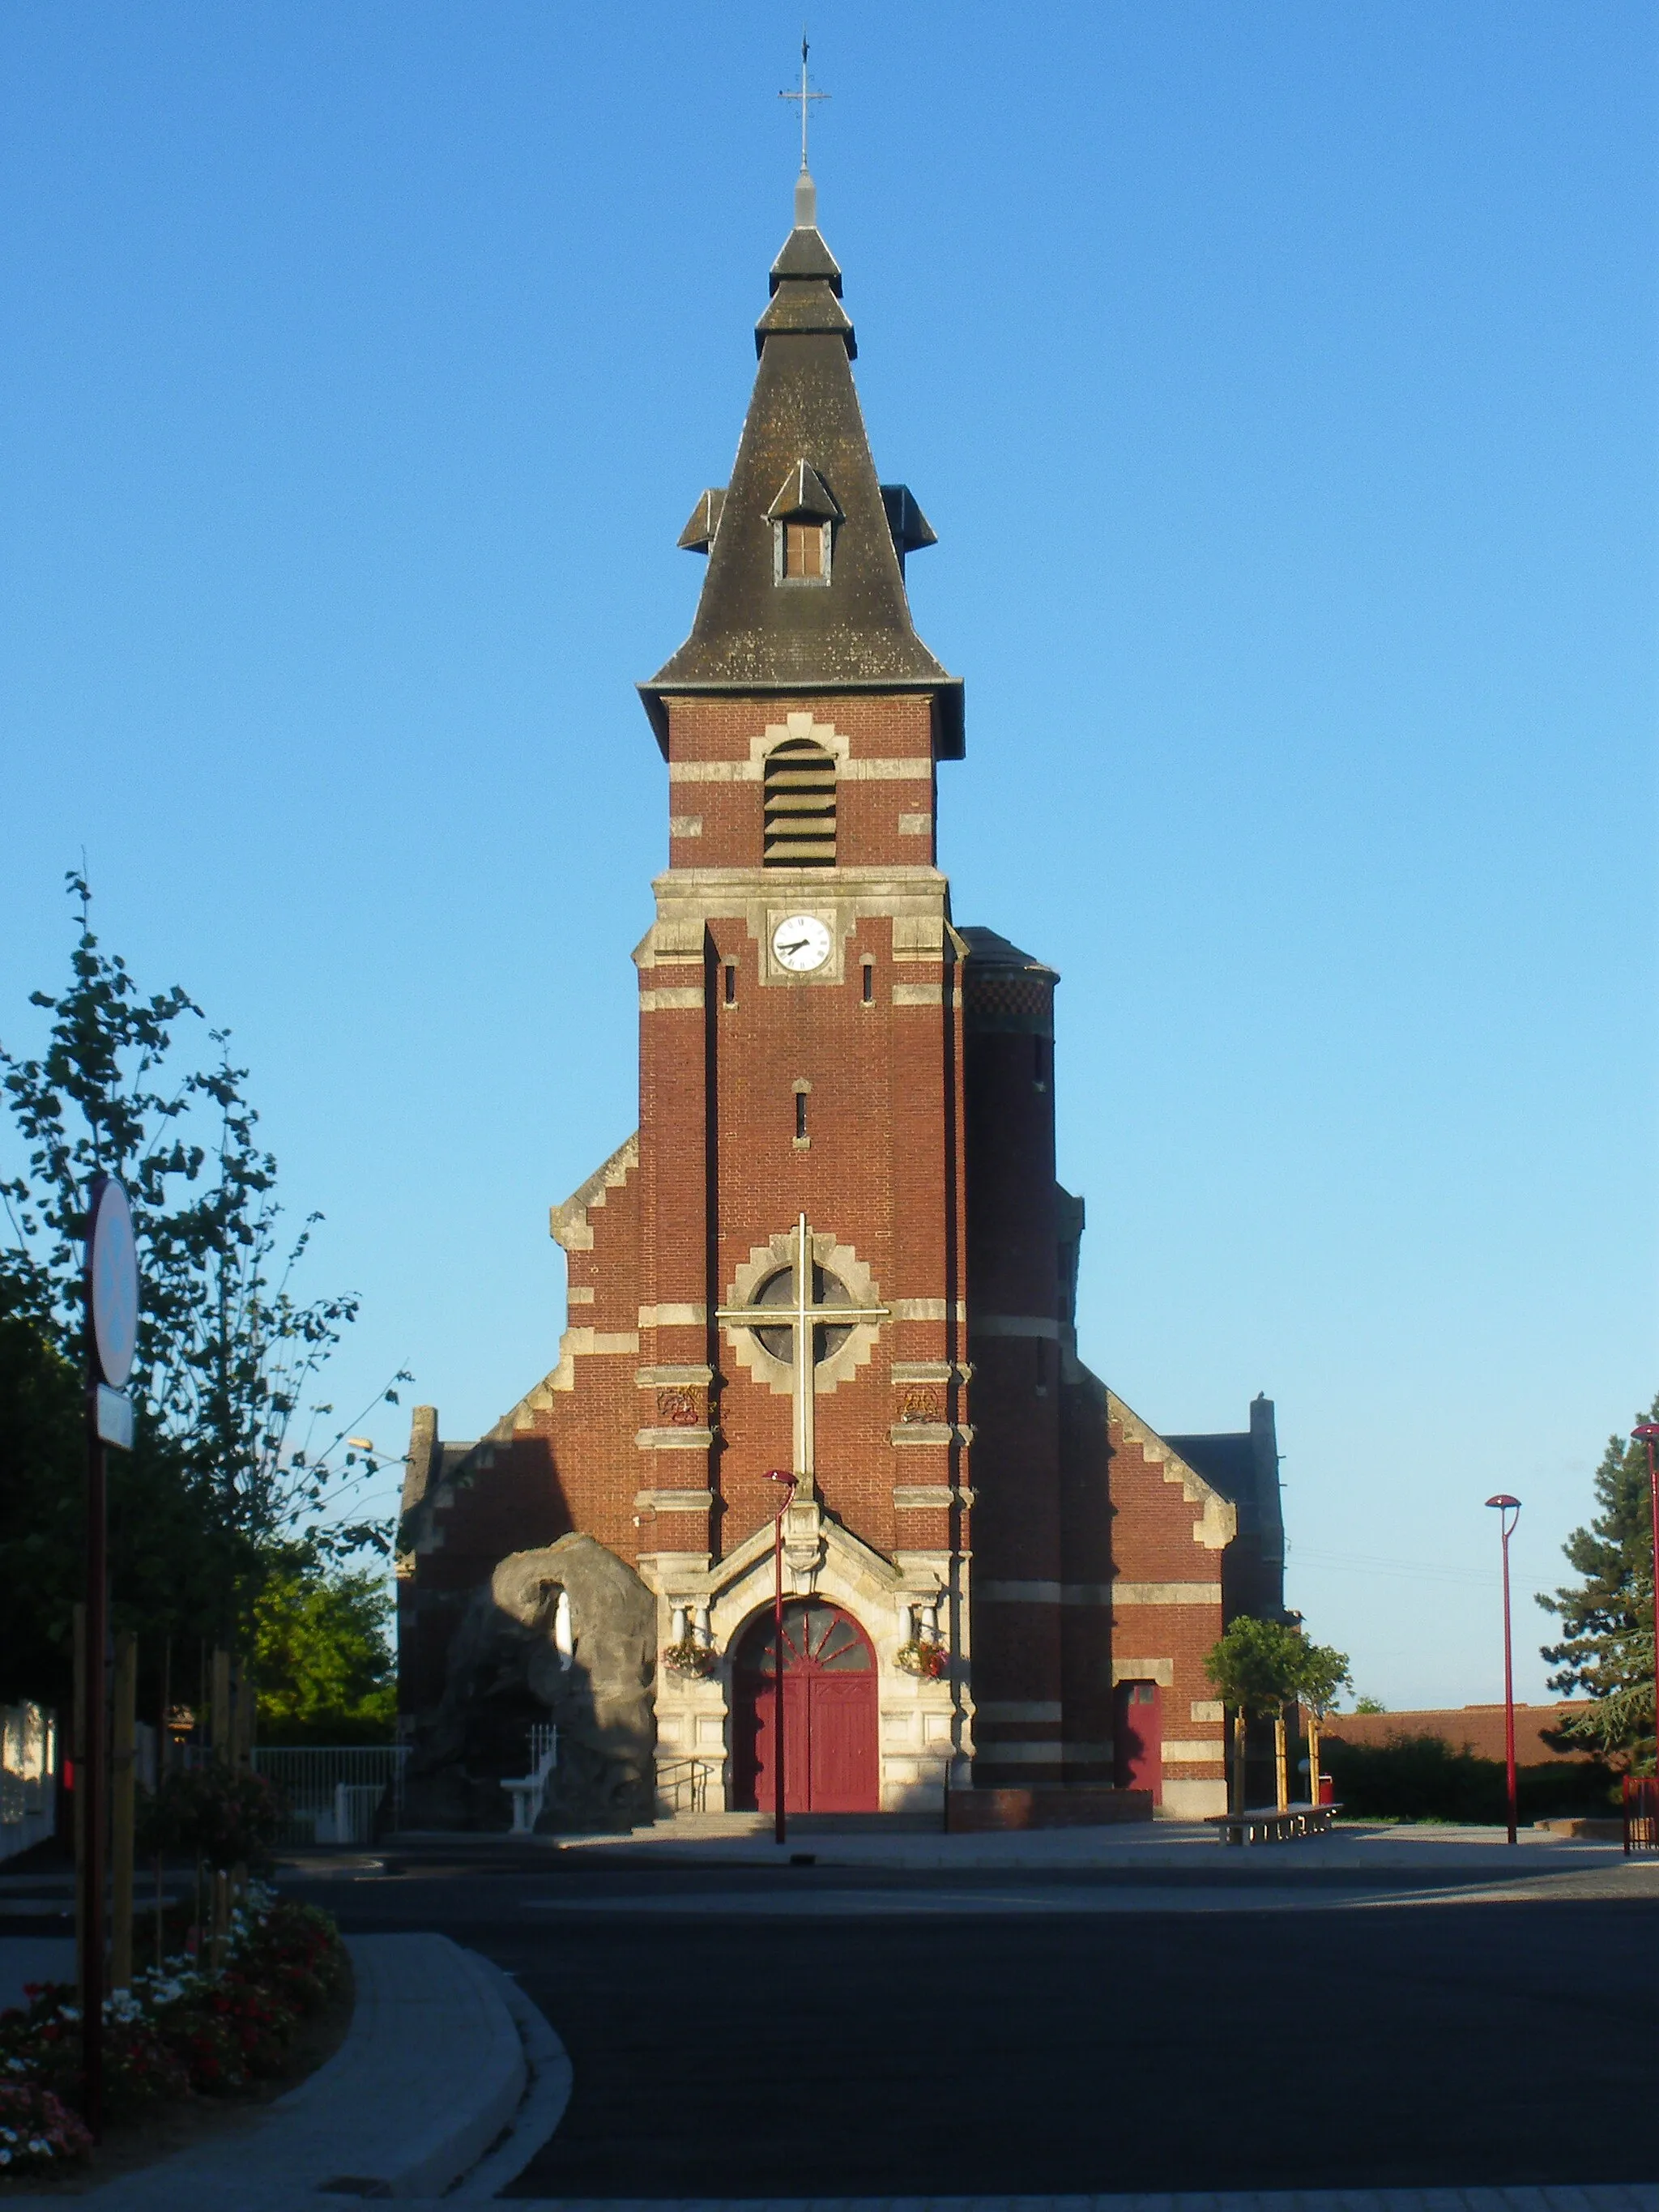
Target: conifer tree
{"x": 1606, "y": 1650}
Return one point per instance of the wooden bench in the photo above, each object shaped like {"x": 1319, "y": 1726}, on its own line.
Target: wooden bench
{"x": 1266, "y": 1824}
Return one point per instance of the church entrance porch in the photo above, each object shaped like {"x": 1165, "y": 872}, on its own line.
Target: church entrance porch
{"x": 831, "y": 1714}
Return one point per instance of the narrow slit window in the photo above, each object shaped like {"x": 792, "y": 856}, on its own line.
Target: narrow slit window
{"x": 730, "y": 972}
{"x": 1040, "y": 1049}
{"x": 869, "y": 982}
{"x": 800, "y": 1113}
{"x": 799, "y": 805}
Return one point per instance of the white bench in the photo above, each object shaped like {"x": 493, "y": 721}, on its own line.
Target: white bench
{"x": 529, "y": 1791}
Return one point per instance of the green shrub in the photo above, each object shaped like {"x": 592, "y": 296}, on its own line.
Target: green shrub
{"x": 219, "y": 1814}
{"x": 1420, "y": 1777}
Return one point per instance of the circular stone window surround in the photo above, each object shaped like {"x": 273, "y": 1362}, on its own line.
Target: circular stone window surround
{"x": 762, "y": 1263}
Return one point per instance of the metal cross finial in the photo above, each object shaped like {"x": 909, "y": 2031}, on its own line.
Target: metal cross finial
{"x": 805, "y": 97}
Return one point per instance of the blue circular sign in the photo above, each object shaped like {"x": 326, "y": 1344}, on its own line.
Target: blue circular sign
{"x": 112, "y": 1283}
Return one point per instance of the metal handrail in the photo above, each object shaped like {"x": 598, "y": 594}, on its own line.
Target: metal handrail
{"x": 675, "y": 1777}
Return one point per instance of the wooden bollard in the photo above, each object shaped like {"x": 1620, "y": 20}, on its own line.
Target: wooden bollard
{"x": 123, "y": 1782}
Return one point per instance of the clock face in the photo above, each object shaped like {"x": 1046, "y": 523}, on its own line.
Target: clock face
{"x": 801, "y": 943}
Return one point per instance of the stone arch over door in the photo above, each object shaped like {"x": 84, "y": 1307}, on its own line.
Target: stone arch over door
{"x": 831, "y": 1712}
{"x": 926, "y": 1726}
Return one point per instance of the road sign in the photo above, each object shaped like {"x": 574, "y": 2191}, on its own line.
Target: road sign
{"x": 112, "y": 1281}
{"x": 114, "y": 1418}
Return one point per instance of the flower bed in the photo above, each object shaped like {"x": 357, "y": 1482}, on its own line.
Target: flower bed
{"x": 179, "y": 2031}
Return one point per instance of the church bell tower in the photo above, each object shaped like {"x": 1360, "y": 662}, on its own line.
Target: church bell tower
{"x": 801, "y": 1063}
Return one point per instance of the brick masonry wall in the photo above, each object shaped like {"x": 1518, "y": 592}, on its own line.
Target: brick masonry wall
{"x": 876, "y": 1172}
{"x": 1479, "y": 1728}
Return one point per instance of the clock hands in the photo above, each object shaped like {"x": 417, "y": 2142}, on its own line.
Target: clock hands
{"x": 795, "y": 945}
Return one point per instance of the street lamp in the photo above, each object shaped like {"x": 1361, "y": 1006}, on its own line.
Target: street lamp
{"x": 1649, "y": 1433}
{"x": 779, "y": 1819}
{"x": 1508, "y": 1511}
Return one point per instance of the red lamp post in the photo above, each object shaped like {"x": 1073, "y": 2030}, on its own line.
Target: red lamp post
{"x": 1649, "y": 1433}
{"x": 1509, "y": 1512}
{"x": 779, "y": 1819}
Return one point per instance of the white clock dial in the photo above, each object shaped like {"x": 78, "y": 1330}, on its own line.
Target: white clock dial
{"x": 801, "y": 943}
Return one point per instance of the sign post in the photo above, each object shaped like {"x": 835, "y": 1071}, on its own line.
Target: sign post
{"x": 111, "y": 1297}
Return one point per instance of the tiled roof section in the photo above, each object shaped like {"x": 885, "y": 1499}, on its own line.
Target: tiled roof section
{"x": 1004, "y": 989}
{"x": 802, "y": 492}
{"x": 854, "y": 633}
{"x": 1244, "y": 1466}
{"x": 698, "y": 534}
{"x": 1227, "y": 1462}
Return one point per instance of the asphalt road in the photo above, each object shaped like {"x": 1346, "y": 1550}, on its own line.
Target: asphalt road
{"x": 793, "y": 2031}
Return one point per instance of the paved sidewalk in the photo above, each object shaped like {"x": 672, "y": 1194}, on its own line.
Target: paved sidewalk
{"x": 1610, "y": 2196}
{"x": 1460, "y": 1854}
{"x": 433, "y": 2073}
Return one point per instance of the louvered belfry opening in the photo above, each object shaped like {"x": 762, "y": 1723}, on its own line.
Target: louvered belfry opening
{"x": 800, "y": 807}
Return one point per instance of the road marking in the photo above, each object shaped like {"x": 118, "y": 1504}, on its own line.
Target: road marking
{"x": 785, "y": 1903}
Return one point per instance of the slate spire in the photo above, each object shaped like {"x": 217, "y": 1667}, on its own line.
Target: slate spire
{"x": 804, "y": 458}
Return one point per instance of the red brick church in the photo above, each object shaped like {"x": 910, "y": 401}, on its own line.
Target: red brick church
{"x": 834, "y": 1249}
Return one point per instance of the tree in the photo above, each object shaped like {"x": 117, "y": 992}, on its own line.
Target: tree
{"x": 1257, "y": 1668}
{"x": 167, "y": 1560}
{"x": 1370, "y": 1706}
{"x": 322, "y": 1657}
{"x": 225, "y": 1460}
{"x": 1323, "y": 1677}
{"x": 1606, "y": 1652}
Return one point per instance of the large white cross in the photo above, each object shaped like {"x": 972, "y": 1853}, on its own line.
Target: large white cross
{"x": 801, "y": 1316}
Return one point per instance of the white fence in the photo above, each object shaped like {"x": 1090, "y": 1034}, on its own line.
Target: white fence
{"x": 335, "y": 1793}
{"x": 28, "y": 1770}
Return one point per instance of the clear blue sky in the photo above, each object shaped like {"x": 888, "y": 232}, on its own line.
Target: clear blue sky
{"x": 1280, "y": 382}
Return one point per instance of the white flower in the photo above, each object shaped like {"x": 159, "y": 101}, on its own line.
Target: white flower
{"x": 5, "y": 2157}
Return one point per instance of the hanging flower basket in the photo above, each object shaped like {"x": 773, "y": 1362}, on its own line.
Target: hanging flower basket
{"x": 692, "y": 1661}
{"x": 928, "y": 1662}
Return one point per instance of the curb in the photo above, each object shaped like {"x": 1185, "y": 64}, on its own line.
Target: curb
{"x": 428, "y": 2086}
{"x": 540, "y": 2111}
{"x": 430, "y": 2160}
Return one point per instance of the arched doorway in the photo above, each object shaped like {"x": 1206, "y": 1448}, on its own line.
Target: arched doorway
{"x": 832, "y": 1759}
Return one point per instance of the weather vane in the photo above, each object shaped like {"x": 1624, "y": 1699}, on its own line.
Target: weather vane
{"x": 805, "y": 97}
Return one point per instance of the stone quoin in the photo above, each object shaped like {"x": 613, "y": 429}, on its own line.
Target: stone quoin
{"x": 999, "y": 1577}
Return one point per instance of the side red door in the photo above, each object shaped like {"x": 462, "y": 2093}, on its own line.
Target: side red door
{"x": 1137, "y": 1738}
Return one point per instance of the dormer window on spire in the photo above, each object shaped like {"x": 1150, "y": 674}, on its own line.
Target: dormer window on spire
{"x": 803, "y": 551}
{"x": 803, "y": 516}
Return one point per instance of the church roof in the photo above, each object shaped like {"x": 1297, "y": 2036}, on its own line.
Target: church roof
{"x": 989, "y": 948}
{"x": 1244, "y": 1465}
{"x": 805, "y": 453}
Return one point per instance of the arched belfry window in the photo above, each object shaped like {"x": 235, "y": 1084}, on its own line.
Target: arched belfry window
{"x": 800, "y": 805}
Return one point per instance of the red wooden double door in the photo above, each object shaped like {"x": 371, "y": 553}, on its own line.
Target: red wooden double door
{"x": 831, "y": 1756}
